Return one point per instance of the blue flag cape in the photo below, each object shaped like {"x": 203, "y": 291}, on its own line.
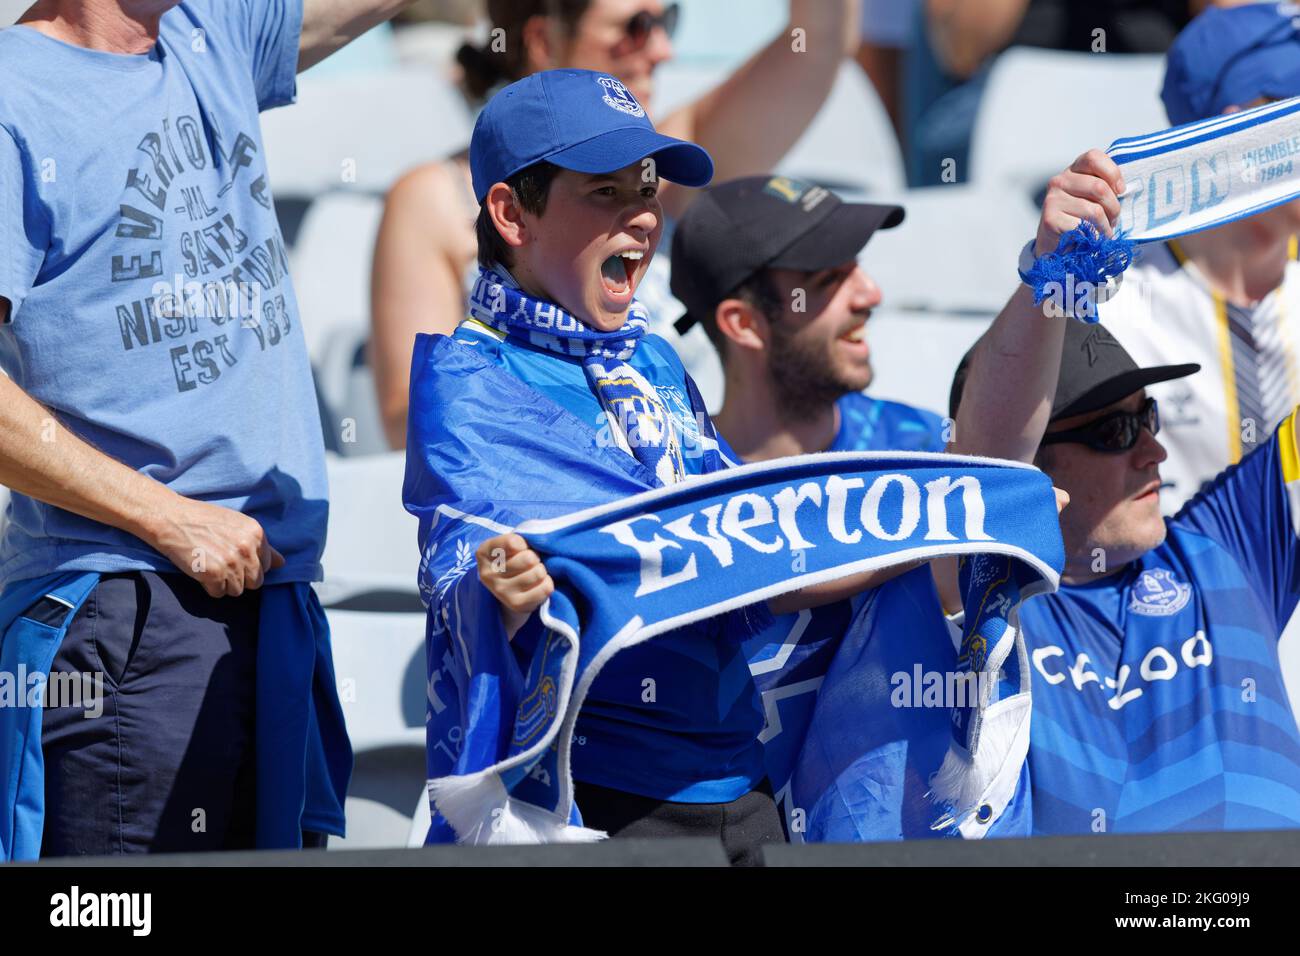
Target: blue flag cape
{"x": 303, "y": 757}
{"x": 487, "y": 454}
{"x": 882, "y": 723}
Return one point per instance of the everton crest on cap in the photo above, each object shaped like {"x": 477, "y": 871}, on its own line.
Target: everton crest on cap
{"x": 579, "y": 120}
{"x": 617, "y": 96}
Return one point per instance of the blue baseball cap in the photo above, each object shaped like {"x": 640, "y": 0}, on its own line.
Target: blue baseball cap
{"x": 579, "y": 120}
{"x": 1231, "y": 55}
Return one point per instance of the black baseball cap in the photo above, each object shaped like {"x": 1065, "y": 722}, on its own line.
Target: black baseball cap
{"x": 1096, "y": 371}
{"x": 739, "y": 227}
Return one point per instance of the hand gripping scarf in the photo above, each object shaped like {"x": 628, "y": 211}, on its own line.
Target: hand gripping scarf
{"x": 1182, "y": 180}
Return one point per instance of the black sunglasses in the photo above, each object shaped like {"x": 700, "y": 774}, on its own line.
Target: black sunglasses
{"x": 643, "y": 24}
{"x": 1114, "y": 433}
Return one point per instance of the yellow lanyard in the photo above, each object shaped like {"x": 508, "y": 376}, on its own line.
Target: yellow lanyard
{"x": 1224, "y": 337}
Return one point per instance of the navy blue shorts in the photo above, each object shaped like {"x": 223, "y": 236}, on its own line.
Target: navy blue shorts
{"x": 743, "y": 825}
{"x": 162, "y": 760}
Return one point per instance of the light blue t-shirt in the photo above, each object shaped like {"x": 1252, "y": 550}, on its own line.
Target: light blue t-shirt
{"x": 152, "y": 311}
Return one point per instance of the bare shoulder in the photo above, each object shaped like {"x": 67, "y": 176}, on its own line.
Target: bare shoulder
{"x": 440, "y": 186}
{"x": 435, "y": 201}
{"x": 425, "y": 188}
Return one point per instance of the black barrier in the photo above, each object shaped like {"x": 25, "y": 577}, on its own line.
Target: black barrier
{"x": 1241, "y": 848}
{"x": 1238, "y": 848}
{"x": 1222, "y": 883}
{"x": 634, "y": 853}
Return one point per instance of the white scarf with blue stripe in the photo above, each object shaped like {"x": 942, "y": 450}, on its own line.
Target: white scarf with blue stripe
{"x": 1182, "y": 180}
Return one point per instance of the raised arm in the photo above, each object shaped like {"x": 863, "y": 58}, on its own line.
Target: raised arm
{"x": 753, "y": 117}
{"x": 416, "y": 280}
{"x": 965, "y": 33}
{"x": 330, "y": 25}
{"x": 1007, "y": 398}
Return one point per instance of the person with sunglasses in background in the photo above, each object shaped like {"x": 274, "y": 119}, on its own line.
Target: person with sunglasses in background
{"x": 1158, "y": 697}
{"x": 1158, "y": 700}
{"x": 425, "y": 250}
{"x": 1227, "y": 297}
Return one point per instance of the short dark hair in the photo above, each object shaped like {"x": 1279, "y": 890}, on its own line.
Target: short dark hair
{"x": 486, "y": 66}
{"x": 531, "y": 186}
{"x": 760, "y": 291}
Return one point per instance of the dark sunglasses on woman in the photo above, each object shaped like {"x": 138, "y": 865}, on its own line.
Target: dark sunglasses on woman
{"x": 643, "y": 24}
{"x": 1114, "y": 433}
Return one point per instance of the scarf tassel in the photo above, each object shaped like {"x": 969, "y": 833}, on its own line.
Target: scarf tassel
{"x": 482, "y": 812}
{"x": 1084, "y": 260}
{"x": 976, "y": 788}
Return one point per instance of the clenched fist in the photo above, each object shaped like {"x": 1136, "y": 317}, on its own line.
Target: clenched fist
{"x": 515, "y": 576}
{"x": 1090, "y": 190}
{"x": 225, "y": 551}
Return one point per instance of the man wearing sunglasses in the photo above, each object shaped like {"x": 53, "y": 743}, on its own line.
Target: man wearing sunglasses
{"x": 1158, "y": 697}
{"x": 1228, "y": 297}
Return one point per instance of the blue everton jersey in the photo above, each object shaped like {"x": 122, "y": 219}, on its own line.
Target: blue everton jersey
{"x": 676, "y": 718}
{"x": 1158, "y": 700}
{"x": 881, "y": 725}
{"x": 1158, "y": 695}
{"x": 790, "y": 658}
{"x": 874, "y": 424}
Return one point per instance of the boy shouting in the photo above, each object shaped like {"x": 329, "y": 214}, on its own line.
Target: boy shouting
{"x": 551, "y": 397}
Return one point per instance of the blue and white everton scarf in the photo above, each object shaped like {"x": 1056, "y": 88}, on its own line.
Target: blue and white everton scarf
{"x": 1181, "y": 180}
{"x": 638, "y": 420}
{"x": 633, "y": 568}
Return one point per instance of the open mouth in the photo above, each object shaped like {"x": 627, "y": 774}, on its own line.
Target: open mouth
{"x": 856, "y": 335}
{"x": 619, "y": 270}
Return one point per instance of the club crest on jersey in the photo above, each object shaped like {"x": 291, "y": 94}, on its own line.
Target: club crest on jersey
{"x": 1158, "y": 593}
{"x": 618, "y": 97}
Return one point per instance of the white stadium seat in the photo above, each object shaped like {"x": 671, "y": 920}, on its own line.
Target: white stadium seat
{"x": 914, "y": 354}
{"x": 956, "y": 250}
{"x": 379, "y": 666}
{"x": 362, "y": 130}
{"x": 1042, "y": 108}
{"x": 371, "y": 545}
{"x": 377, "y": 630}
{"x": 331, "y": 273}
{"x": 330, "y": 264}
{"x": 380, "y": 669}
{"x": 851, "y": 145}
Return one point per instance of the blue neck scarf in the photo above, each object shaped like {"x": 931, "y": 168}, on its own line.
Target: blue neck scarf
{"x": 639, "y": 421}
